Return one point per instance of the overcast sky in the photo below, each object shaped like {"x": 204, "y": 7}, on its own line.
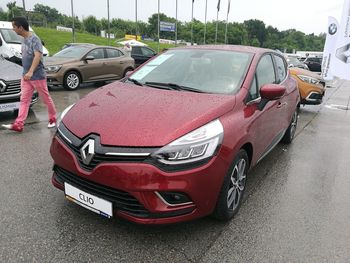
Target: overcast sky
{"x": 308, "y": 16}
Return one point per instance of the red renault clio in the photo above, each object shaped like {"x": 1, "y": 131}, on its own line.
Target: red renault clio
{"x": 175, "y": 140}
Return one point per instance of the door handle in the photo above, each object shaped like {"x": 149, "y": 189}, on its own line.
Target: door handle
{"x": 281, "y": 104}
{"x": 121, "y": 62}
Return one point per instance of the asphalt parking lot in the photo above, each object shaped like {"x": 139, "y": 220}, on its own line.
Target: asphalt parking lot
{"x": 296, "y": 208}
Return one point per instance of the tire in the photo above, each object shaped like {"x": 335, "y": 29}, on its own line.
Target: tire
{"x": 72, "y": 80}
{"x": 232, "y": 189}
{"x": 290, "y": 132}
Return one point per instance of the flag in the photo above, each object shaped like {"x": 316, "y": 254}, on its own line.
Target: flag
{"x": 329, "y": 48}
{"x": 228, "y": 8}
{"x": 340, "y": 64}
{"x": 218, "y": 5}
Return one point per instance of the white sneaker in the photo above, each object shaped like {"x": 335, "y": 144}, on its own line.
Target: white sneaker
{"x": 7, "y": 126}
{"x": 52, "y": 123}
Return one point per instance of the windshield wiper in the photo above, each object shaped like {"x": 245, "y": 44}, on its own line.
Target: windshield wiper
{"x": 135, "y": 81}
{"x": 173, "y": 86}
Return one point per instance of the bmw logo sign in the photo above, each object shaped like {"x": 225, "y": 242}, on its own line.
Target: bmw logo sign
{"x": 332, "y": 29}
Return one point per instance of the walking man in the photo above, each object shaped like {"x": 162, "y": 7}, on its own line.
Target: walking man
{"x": 34, "y": 76}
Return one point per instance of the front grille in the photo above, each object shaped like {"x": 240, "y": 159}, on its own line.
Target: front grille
{"x": 12, "y": 87}
{"x": 121, "y": 200}
{"x": 99, "y": 157}
{"x": 316, "y": 96}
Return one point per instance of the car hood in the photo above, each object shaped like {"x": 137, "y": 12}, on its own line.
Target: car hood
{"x": 10, "y": 71}
{"x": 129, "y": 115}
{"x": 300, "y": 71}
{"x": 50, "y": 61}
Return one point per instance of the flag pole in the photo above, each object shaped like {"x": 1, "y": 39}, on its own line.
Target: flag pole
{"x": 228, "y": 10}
{"x": 216, "y": 31}
{"x": 205, "y": 20}
{"x": 192, "y": 25}
{"x": 176, "y": 25}
{"x": 136, "y": 19}
{"x": 217, "y": 21}
{"x": 73, "y": 28}
{"x": 109, "y": 25}
{"x": 158, "y": 25}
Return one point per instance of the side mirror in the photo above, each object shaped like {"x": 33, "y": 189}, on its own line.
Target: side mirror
{"x": 272, "y": 91}
{"x": 89, "y": 58}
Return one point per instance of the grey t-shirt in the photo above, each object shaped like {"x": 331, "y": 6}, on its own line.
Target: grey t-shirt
{"x": 29, "y": 45}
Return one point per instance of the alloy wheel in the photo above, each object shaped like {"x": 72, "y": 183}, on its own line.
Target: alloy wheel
{"x": 237, "y": 184}
{"x": 293, "y": 124}
{"x": 72, "y": 81}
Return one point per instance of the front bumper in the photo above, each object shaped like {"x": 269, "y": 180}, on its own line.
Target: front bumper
{"x": 135, "y": 188}
{"x": 55, "y": 78}
{"x": 314, "y": 98}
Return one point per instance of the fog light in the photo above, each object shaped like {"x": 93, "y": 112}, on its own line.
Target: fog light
{"x": 174, "y": 198}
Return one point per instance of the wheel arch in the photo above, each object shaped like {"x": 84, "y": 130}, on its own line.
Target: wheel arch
{"x": 75, "y": 70}
{"x": 248, "y": 147}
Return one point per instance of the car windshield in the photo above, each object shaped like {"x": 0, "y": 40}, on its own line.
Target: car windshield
{"x": 210, "y": 71}
{"x": 293, "y": 60}
{"x": 72, "y": 52}
{"x": 11, "y": 36}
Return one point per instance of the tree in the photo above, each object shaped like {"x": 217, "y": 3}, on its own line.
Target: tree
{"x": 51, "y": 14}
{"x": 256, "y": 31}
{"x": 92, "y": 25}
{"x": 3, "y": 15}
{"x": 13, "y": 10}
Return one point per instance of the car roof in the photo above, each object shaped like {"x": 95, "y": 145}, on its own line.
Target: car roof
{"x": 248, "y": 49}
{"x": 76, "y": 44}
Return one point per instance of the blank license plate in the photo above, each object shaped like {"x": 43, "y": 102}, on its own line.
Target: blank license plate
{"x": 89, "y": 201}
{"x": 9, "y": 106}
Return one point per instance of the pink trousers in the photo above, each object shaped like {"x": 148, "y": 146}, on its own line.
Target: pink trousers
{"x": 27, "y": 90}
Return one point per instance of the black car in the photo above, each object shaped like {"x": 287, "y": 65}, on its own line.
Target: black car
{"x": 141, "y": 54}
{"x": 314, "y": 63}
{"x": 10, "y": 86}
{"x": 294, "y": 62}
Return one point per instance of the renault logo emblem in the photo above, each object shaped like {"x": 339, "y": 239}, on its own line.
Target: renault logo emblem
{"x": 2, "y": 87}
{"x": 88, "y": 151}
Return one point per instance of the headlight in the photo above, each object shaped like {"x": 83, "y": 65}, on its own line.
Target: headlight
{"x": 308, "y": 79}
{"x": 64, "y": 112}
{"x": 194, "y": 146}
{"x": 16, "y": 52}
{"x": 53, "y": 69}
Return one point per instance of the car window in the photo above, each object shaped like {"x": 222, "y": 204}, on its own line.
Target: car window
{"x": 147, "y": 52}
{"x": 136, "y": 51}
{"x": 96, "y": 53}
{"x": 281, "y": 69}
{"x": 265, "y": 71}
{"x": 113, "y": 53}
{"x": 253, "y": 91}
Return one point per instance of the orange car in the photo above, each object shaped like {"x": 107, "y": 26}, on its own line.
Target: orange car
{"x": 311, "y": 85}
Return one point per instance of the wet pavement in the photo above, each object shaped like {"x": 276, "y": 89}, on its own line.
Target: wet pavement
{"x": 296, "y": 207}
